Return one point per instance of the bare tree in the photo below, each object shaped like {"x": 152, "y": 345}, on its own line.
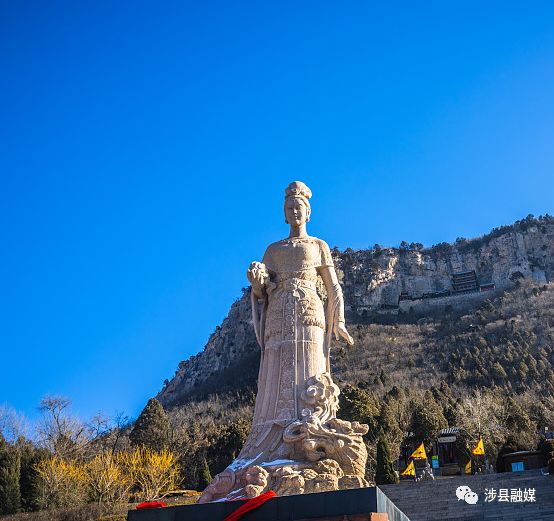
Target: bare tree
{"x": 109, "y": 434}
{"x": 64, "y": 435}
{"x": 98, "y": 426}
{"x": 481, "y": 414}
{"x": 13, "y": 425}
{"x": 119, "y": 431}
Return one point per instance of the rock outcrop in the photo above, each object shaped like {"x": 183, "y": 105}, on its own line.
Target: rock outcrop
{"x": 384, "y": 279}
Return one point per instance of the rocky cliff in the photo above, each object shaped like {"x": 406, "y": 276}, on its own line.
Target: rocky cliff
{"x": 390, "y": 279}
{"x": 383, "y": 284}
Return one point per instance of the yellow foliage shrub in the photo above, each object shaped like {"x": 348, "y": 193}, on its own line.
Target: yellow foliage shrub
{"x": 152, "y": 473}
{"x": 108, "y": 480}
{"x": 61, "y": 483}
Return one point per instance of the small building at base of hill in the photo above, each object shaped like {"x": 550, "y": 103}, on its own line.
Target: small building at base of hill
{"x": 523, "y": 460}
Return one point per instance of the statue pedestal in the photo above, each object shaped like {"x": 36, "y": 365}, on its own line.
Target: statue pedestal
{"x": 342, "y": 505}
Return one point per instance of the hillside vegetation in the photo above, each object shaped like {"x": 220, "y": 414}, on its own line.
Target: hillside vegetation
{"x": 489, "y": 371}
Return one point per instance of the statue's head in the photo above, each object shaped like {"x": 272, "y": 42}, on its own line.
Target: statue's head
{"x": 297, "y": 204}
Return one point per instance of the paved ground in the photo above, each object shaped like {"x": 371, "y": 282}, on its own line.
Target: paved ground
{"x": 437, "y": 501}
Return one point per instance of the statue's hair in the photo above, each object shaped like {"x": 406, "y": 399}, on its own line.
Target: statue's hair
{"x": 297, "y": 188}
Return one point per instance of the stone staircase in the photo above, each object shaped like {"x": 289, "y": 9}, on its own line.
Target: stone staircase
{"x": 437, "y": 501}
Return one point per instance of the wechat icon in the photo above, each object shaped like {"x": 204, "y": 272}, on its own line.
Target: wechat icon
{"x": 463, "y": 492}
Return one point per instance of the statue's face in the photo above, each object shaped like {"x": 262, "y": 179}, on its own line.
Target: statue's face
{"x": 296, "y": 211}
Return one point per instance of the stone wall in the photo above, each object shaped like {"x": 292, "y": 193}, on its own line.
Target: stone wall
{"x": 461, "y": 301}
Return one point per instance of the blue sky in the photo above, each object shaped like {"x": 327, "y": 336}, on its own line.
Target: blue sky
{"x": 145, "y": 146}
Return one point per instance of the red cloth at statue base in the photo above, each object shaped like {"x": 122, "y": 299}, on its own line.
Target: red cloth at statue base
{"x": 150, "y": 504}
{"x": 251, "y": 504}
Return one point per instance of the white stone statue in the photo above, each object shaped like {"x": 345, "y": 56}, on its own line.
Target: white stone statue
{"x": 297, "y": 444}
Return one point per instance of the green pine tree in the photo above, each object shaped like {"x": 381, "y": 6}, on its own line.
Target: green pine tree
{"x": 10, "y": 497}
{"x": 152, "y": 428}
{"x": 228, "y": 442}
{"x": 427, "y": 419}
{"x": 385, "y": 473}
{"x": 28, "y": 479}
{"x": 358, "y": 405}
{"x": 204, "y": 476}
{"x": 498, "y": 373}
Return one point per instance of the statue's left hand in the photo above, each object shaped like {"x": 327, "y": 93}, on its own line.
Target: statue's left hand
{"x": 341, "y": 332}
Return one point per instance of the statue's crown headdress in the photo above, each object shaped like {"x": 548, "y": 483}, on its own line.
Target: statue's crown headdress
{"x": 298, "y": 189}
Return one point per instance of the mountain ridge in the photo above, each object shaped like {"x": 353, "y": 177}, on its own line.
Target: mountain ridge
{"x": 382, "y": 286}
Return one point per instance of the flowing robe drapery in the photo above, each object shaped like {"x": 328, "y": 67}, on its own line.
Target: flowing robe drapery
{"x": 290, "y": 326}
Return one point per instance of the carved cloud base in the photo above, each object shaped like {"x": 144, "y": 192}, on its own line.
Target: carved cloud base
{"x": 285, "y": 479}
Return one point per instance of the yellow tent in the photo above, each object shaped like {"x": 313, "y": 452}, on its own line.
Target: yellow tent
{"x": 419, "y": 453}
{"x": 479, "y": 450}
{"x": 468, "y": 467}
{"x": 410, "y": 470}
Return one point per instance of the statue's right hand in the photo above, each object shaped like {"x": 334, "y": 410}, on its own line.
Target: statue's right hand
{"x": 257, "y": 275}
